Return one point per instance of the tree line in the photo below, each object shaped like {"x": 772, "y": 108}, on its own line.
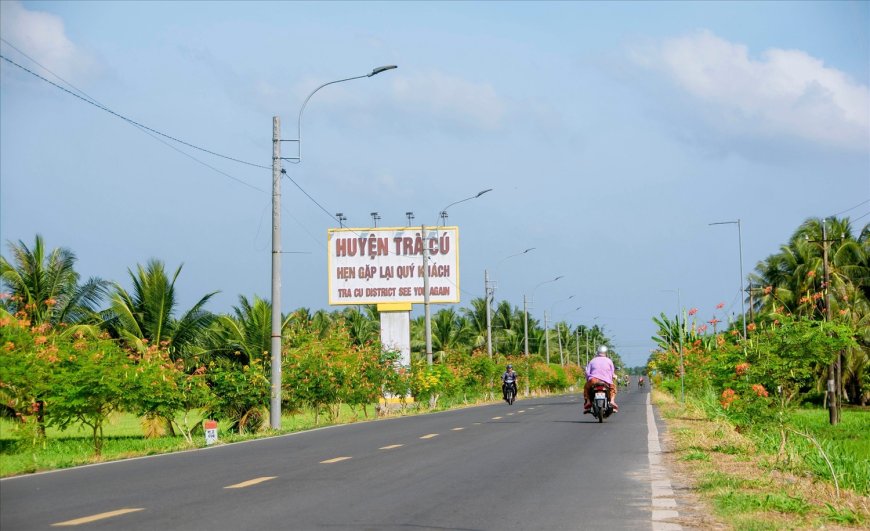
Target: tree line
{"x": 75, "y": 351}
{"x": 809, "y": 307}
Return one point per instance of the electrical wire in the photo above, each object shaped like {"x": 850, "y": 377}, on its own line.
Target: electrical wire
{"x": 83, "y": 96}
{"x": 90, "y": 99}
{"x": 128, "y": 120}
{"x": 285, "y": 174}
{"x": 852, "y": 208}
{"x": 148, "y": 131}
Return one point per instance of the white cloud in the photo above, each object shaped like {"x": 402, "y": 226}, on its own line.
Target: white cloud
{"x": 781, "y": 93}
{"x": 42, "y": 36}
{"x": 477, "y": 105}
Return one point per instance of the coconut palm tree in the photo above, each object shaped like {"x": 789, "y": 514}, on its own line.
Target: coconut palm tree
{"x": 146, "y": 314}
{"x": 475, "y": 316}
{"x": 44, "y": 286}
{"x": 792, "y": 281}
{"x": 244, "y": 335}
{"x": 361, "y": 327}
{"x": 450, "y": 331}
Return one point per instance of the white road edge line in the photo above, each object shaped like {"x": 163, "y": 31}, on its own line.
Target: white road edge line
{"x": 662, "y": 495}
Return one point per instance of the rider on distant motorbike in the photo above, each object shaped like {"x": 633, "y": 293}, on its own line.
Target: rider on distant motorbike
{"x": 599, "y": 369}
{"x": 508, "y": 378}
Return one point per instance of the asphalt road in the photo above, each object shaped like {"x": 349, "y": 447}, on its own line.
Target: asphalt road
{"x": 539, "y": 464}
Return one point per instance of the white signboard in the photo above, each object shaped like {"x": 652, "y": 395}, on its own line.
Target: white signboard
{"x": 382, "y": 265}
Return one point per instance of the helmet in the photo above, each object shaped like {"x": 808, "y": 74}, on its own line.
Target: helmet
{"x": 602, "y": 350}
{"x": 510, "y": 366}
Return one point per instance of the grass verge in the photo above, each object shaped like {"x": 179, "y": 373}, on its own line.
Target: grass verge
{"x": 749, "y": 486}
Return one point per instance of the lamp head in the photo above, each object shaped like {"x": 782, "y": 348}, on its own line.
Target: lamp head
{"x": 380, "y": 69}
{"x": 483, "y": 192}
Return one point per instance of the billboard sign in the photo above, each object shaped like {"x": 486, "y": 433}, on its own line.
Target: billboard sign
{"x": 383, "y": 265}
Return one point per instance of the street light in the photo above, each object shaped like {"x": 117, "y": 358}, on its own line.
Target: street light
{"x": 489, "y": 296}
{"x": 426, "y": 310}
{"x": 547, "y": 332}
{"x": 410, "y": 216}
{"x": 275, "y": 401}
{"x": 740, "y": 244}
{"x": 587, "y": 338}
{"x": 576, "y": 337}
{"x": 526, "y": 313}
{"x": 341, "y": 219}
{"x": 443, "y": 211}
{"x": 375, "y": 217}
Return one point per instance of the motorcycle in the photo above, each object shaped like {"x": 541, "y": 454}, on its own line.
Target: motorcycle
{"x": 601, "y": 406}
{"x": 510, "y": 392}
{"x": 640, "y": 382}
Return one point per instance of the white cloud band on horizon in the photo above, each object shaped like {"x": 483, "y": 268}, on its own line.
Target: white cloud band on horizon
{"x": 782, "y": 93}
{"x": 42, "y": 36}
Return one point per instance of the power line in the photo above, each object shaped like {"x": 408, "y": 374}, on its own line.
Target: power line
{"x": 148, "y": 131}
{"x": 851, "y": 208}
{"x": 128, "y": 120}
{"x": 145, "y": 130}
{"x": 285, "y": 174}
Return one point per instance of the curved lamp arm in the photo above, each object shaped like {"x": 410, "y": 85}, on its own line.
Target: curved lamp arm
{"x": 374, "y": 72}
{"x": 443, "y": 210}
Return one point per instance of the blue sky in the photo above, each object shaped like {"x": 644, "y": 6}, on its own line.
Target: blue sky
{"x": 611, "y": 133}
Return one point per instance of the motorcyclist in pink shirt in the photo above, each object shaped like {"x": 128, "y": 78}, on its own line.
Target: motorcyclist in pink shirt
{"x": 599, "y": 369}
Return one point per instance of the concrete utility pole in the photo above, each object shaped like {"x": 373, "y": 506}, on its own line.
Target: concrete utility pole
{"x": 547, "y": 336}
{"x": 428, "y": 315}
{"x": 488, "y": 298}
{"x": 577, "y": 344}
{"x": 426, "y": 310}
{"x": 275, "y": 400}
{"x": 586, "y": 333}
{"x": 834, "y": 367}
{"x": 490, "y": 292}
{"x": 526, "y": 324}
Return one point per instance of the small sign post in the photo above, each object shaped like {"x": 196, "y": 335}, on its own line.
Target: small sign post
{"x": 211, "y": 432}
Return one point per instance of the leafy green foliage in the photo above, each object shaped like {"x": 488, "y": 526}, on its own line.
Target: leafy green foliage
{"x": 240, "y": 394}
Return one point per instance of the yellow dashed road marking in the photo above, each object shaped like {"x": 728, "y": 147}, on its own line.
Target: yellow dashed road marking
{"x": 94, "y": 518}
{"x": 509, "y": 414}
{"x": 496, "y": 418}
{"x": 334, "y": 460}
{"x": 250, "y": 482}
{"x": 390, "y": 447}
{"x": 429, "y": 436}
{"x": 458, "y": 429}
{"x": 521, "y": 411}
